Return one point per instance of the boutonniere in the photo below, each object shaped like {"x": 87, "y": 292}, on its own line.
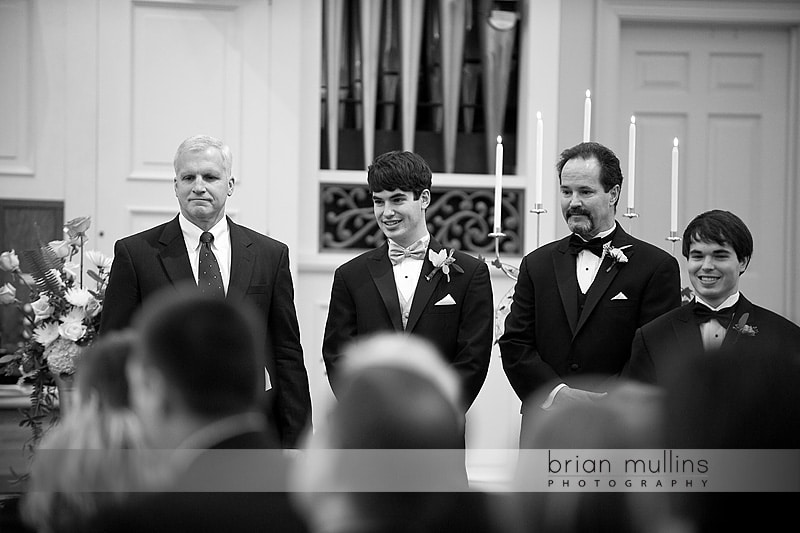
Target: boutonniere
{"x": 616, "y": 254}
{"x": 444, "y": 261}
{"x": 743, "y": 328}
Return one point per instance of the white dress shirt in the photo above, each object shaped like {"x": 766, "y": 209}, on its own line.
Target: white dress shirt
{"x": 406, "y": 275}
{"x": 587, "y": 264}
{"x": 221, "y": 246}
{"x": 712, "y": 332}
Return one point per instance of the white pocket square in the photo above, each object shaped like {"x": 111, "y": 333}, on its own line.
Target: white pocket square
{"x": 620, "y": 296}
{"x": 447, "y": 300}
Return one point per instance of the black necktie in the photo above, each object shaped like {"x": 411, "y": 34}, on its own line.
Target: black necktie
{"x": 576, "y": 244}
{"x": 209, "y": 278}
{"x": 703, "y": 314}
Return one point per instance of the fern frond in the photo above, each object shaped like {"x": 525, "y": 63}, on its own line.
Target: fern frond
{"x": 43, "y": 260}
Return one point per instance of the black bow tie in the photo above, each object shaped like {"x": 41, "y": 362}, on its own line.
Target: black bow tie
{"x": 576, "y": 245}
{"x": 703, "y": 314}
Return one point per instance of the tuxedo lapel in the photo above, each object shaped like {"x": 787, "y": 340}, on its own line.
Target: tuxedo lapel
{"x": 606, "y": 273}
{"x": 687, "y": 331}
{"x": 242, "y": 261}
{"x": 173, "y": 254}
{"x": 564, "y": 267}
{"x": 380, "y": 268}
{"x": 425, "y": 288}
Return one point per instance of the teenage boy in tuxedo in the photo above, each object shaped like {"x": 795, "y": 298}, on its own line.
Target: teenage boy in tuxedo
{"x": 412, "y": 283}
{"x": 717, "y": 246}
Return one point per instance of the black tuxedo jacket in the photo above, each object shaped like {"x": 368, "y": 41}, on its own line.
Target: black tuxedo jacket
{"x": 148, "y": 261}
{"x": 364, "y": 300}
{"x": 547, "y": 341}
{"x": 666, "y": 341}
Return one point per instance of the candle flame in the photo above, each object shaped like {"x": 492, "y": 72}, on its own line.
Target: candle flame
{"x": 499, "y": 140}
{"x": 538, "y": 115}
{"x": 675, "y": 142}
{"x": 588, "y": 93}
{"x": 633, "y": 119}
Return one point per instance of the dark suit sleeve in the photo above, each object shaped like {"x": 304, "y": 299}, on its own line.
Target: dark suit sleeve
{"x": 341, "y": 327}
{"x": 524, "y": 367}
{"x": 640, "y": 366}
{"x": 294, "y": 399}
{"x": 475, "y": 335}
{"x": 662, "y": 293}
{"x": 123, "y": 295}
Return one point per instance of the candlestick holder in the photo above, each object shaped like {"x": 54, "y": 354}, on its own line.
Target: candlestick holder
{"x": 673, "y": 238}
{"x": 630, "y": 214}
{"x": 508, "y": 270}
{"x": 538, "y": 208}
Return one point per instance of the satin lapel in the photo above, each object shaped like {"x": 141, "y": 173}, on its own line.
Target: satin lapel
{"x": 606, "y": 273}
{"x": 242, "y": 261}
{"x": 380, "y": 268}
{"x": 425, "y": 288}
{"x": 173, "y": 255}
{"x": 742, "y": 307}
{"x": 687, "y": 331}
{"x": 564, "y": 267}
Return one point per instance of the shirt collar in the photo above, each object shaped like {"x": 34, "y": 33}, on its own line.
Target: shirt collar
{"x": 730, "y": 301}
{"x": 191, "y": 233}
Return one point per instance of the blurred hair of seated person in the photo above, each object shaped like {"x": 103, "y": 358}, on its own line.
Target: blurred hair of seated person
{"x": 194, "y": 380}
{"x": 735, "y": 399}
{"x": 390, "y": 455}
{"x": 629, "y": 417}
{"x": 87, "y": 461}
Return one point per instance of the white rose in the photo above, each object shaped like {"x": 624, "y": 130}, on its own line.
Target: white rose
{"x": 42, "y": 308}
{"x": 72, "y": 269}
{"x": 9, "y": 261}
{"x": 60, "y": 248}
{"x": 72, "y": 330}
{"x": 8, "y": 294}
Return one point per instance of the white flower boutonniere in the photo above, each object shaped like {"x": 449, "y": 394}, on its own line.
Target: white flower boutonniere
{"x": 743, "y": 328}
{"x": 444, "y": 261}
{"x": 616, "y": 254}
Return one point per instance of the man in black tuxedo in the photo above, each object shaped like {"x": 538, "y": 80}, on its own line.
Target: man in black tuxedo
{"x": 412, "y": 283}
{"x": 717, "y": 246}
{"x": 578, "y": 301}
{"x": 194, "y": 377}
{"x": 241, "y": 265}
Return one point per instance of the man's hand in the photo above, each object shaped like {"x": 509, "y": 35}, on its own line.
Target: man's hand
{"x": 568, "y": 394}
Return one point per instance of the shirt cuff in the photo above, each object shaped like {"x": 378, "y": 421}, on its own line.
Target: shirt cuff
{"x": 552, "y": 396}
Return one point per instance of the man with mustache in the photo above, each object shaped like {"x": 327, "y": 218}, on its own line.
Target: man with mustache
{"x": 578, "y": 301}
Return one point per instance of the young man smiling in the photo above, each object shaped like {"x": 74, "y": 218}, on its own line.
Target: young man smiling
{"x": 398, "y": 287}
{"x": 718, "y": 247}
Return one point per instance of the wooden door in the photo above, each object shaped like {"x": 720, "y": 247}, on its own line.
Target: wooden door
{"x": 166, "y": 71}
{"x": 723, "y": 91}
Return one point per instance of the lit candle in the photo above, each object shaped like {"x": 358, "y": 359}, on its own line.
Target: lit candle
{"x": 498, "y": 183}
{"x": 539, "y": 141}
{"x": 631, "y": 161}
{"x": 673, "y": 227}
{"x": 587, "y": 116}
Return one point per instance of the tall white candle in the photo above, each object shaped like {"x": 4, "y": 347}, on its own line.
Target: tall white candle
{"x": 587, "y": 116}
{"x": 631, "y": 161}
{"x": 498, "y": 183}
{"x": 673, "y": 226}
{"x": 539, "y": 151}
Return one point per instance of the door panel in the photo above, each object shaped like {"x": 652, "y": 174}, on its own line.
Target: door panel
{"x": 724, "y": 92}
